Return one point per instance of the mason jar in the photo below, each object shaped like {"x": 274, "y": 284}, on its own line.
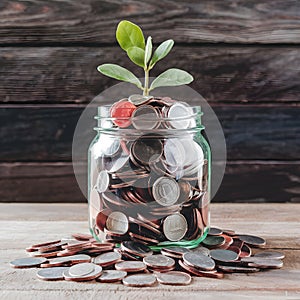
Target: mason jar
{"x": 149, "y": 175}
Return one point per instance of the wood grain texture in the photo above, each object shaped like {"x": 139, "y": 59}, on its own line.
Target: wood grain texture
{"x": 92, "y": 21}
{"x": 244, "y": 181}
{"x": 46, "y": 133}
{"x": 222, "y": 74}
{"x": 30, "y": 223}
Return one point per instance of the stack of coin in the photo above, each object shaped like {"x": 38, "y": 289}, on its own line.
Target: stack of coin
{"x": 149, "y": 186}
{"x": 131, "y": 262}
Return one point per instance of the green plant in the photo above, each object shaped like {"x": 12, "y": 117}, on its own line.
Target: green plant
{"x": 131, "y": 39}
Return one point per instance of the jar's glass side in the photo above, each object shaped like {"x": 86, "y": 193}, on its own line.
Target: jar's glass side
{"x": 153, "y": 189}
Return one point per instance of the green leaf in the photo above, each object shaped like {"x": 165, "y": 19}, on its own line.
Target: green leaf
{"x": 162, "y": 50}
{"x": 137, "y": 55}
{"x": 130, "y": 35}
{"x": 171, "y": 77}
{"x": 120, "y": 73}
{"x": 148, "y": 50}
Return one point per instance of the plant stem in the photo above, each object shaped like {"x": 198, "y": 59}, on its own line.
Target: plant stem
{"x": 146, "y": 87}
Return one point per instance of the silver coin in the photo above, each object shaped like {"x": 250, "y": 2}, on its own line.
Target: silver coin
{"x": 252, "y": 240}
{"x": 95, "y": 199}
{"x": 270, "y": 255}
{"x": 83, "y": 269}
{"x": 139, "y": 280}
{"x": 145, "y": 117}
{"x": 102, "y": 181}
{"x": 236, "y": 269}
{"x": 223, "y": 255}
{"x": 213, "y": 241}
{"x": 73, "y": 258}
{"x": 119, "y": 163}
{"x": 117, "y": 222}
{"x": 111, "y": 276}
{"x": 130, "y": 266}
{"x": 266, "y": 264}
{"x": 202, "y": 250}
{"x": 176, "y": 250}
{"x": 180, "y": 115}
{"x": 107, "y": 145}
{"x": 174, "y": 152}
{"x": 159, "y": 261}
{"x": 90, "y": 276}
{"x": 137, "y": 99}
{"x": 198, "y": 260}
{"x": 175, "y": 227}
{"x": 215, "y": 231}
{"x": 107, "y": 258}
{"x": 174, "y": 278}
{"x": 28, "y": 262}
{"x": 165, "y": 191}
{"x": 55, "y": 273}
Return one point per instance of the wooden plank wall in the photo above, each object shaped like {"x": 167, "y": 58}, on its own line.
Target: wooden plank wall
{"x": 244, "y": 55}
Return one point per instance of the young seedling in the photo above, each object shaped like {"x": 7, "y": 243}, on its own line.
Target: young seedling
{"x": 131, "y": 39}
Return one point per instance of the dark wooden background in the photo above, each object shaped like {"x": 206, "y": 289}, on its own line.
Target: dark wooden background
{"x": 244, "y": 55}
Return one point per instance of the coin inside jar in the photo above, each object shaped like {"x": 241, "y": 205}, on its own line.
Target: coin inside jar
{"x": 147, "y": 150}
{"x": 165, "y": 191}
{"x": 179, "y": 115}
{"x": 175, "y": 227}
{"x": 145, "y": 117}
{"x": 137, "y": 99}
{"x": 102, "y": 181}
{"x": 174, "y": 278}
{"x": 117, "y": 222}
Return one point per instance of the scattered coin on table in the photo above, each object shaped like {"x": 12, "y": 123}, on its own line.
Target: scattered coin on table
{"x": 82, "y": 258}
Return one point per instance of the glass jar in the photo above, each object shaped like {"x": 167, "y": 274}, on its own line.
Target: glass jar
{"x": 149, "y": 176}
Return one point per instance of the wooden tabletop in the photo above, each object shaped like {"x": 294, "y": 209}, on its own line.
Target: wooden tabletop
{"x": 25, "y": 224}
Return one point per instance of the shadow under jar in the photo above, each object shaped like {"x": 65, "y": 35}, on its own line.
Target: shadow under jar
{"x": 149, "y": 175}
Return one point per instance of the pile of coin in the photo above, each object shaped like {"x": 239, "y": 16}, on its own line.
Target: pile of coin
{"x": 148, "y": 178}
{"x": 136, "y": 264}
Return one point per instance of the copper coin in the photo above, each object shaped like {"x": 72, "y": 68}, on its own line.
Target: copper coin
{"x": 107, "y": 259}
{"x": 245, "y": 251}
{"x": 53, "y": 247}
{"x": 236, "y": 269}
{"x": 223, "y": 255}
{"x": 252, "y": 240}
{"x": 200, "y": 273}
{"x": 72, "y": 259}
{"x": 270, "y": 255}
{"x": 229, "y": 232}
{"x": 174, "y": 278}
{"x": 136, "y": 248}
{"x": 45, "y": 254}
{"x": 130, "y": 266}
{"x": 102, "y": 217}
{"x": 49, "y": 274}
{"x": 27, "y": 262}
{"x": 109, "y": 276}
{"x": 159, "y": 261}
{"x": 199, "y": 261}
{"x": 36, "y": 247}
{"x": 82, "y": 236}
{"x": 140, "y": 280}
